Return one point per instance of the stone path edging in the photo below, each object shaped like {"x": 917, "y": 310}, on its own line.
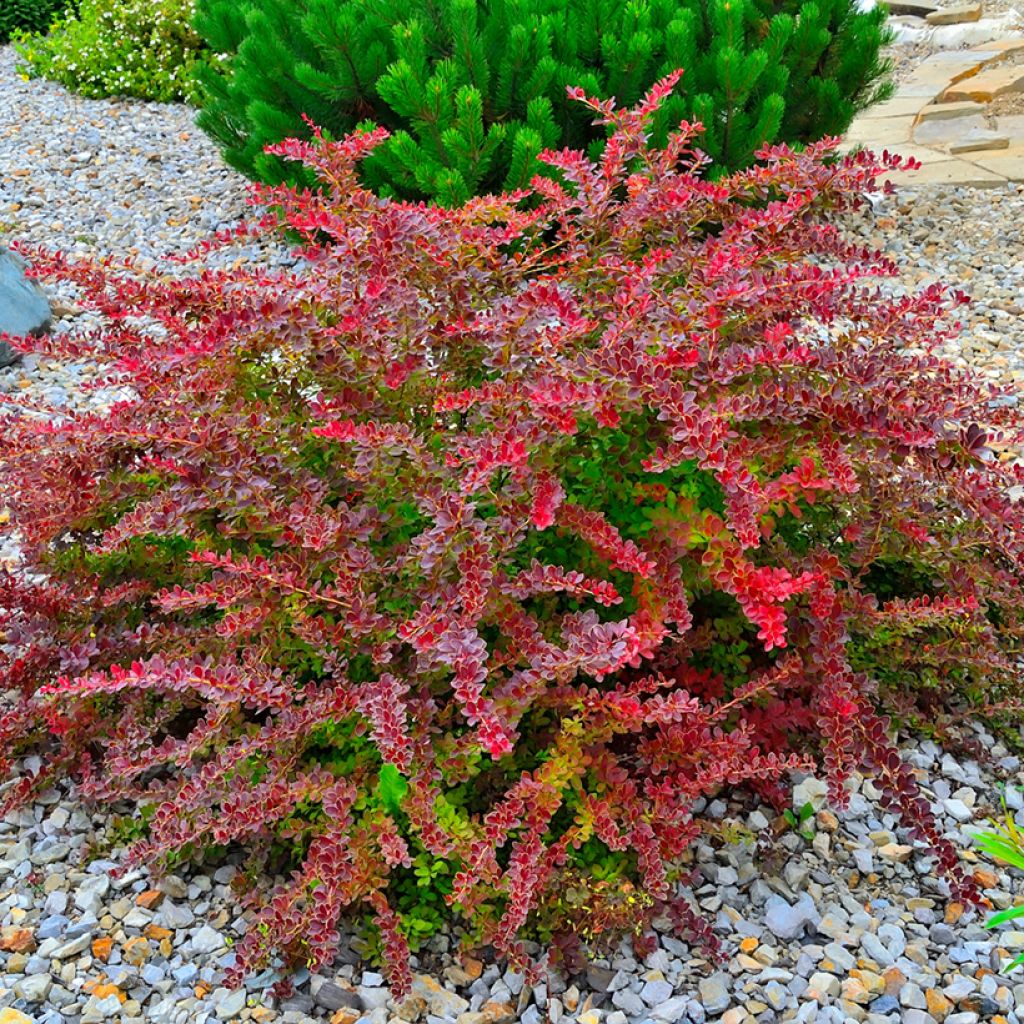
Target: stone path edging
{"x": 939, "y": 115}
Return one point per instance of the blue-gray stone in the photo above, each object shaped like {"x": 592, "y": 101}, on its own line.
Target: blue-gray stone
{"x": 23, "y": 306}
{"x": 262, "y": 980}
{"x": 51, "y": 927}
{"x": 654, "y": 993}
{"x": 177, "y": 915}
{"x": 884, "y": 1004}
{"x": 696, "y": 1012}
{"x": 786, "y": 920}
{"x": 334, "y": 997}
{"x": 874, "y": 947}
{"x": 297, "y": 1003}
{"x": 715, "y": 992}
{"x": 102, "y": 867}
{"x": 184, "y": 974}
{"x": 83, "y": 926}
{"x": 231, "y": 1005}
{"x": 151, "y": 974}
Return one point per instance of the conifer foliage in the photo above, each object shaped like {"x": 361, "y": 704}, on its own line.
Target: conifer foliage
{"x": 485, "y": 542}
{"x": 30, "y": 16}
{"x": 473, "y": 90}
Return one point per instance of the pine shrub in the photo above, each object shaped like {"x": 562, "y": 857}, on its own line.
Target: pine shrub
{"x": 146, "y": 49}
{"x": 473, "y": 91}
{"x": 29, "y": 16}
{"x": 465, "y": 557}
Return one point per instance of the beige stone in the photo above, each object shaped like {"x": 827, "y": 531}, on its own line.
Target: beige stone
{"x": 899, "y": 106}
{"x": 986, "y": 878}
{"x": 893, "y": 979}
{"x": 1008, "y": 163}
{"x": 856, "y": 991}
{"x": 935, "y": 74}
{"x": 987, "y": 84}
{"x": 922, "y": 154}
{"x": 944, "y": 172}
{"x": 1003, "y": 47}
{"x": 894, "y": 851}
{"x": 943, "y": 133}
{"x": 979, "y": 141}
{"x": 955, "y": 15}
{"x": 1012, "y": 126}
{"x": 949, "y": 111}
{"x": 913, "y": 8}
{"x": 8, "y": 1015}
{"x": 938, "y": 1005}
{"x": 346, "y": 1016}
{"x": 882, "y": 131}
{"x": 925, "y": 92}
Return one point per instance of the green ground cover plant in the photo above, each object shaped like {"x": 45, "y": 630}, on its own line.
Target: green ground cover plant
{"x": 448, "y": 571}
{"x": 1005, "y": 843}
{"x": 472, "y": 91}
{"x": 141, "y": 48}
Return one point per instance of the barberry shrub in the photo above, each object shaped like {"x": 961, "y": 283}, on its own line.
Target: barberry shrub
{"x": 473, "y": 91}
{"x": 478, "y": 547}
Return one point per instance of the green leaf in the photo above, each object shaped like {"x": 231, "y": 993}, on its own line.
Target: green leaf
{"x": 1010, "y": 914}
{"x": 1001, "y": 849}
{"x": 391, "y": 788}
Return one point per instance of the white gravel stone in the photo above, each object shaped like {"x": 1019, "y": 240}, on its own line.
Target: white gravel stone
{"x": 207, "y": 940}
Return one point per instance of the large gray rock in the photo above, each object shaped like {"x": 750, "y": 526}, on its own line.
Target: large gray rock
{"x": 23, "y": 306}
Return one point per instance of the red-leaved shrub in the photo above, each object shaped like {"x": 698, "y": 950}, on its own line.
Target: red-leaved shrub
{"x": 494, "y": 538}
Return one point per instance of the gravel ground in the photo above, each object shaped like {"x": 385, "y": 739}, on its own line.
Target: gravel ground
{"x": 973, "y": 239}
{"x": 855, "y": 927}
{"x": 850, "y": 924}
{"x": 98, "y": 176}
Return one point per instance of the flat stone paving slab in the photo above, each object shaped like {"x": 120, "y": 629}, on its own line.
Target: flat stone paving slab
{"x": 914, "y": 8}
{"x": 1008, "y": 162}
{"x": 979, "y": 141}
{"x": 899, "y": 106}
{"x": 923, "y": 92}
{"x": 951, "y": 132}
{"x": 944, "y": 132}
{"x": 885, "y": 131}
{"x": 1012, "y": 126}
{"x": 922, "y": 154}
{"x": 986, "y": 85}
{"x": 1004, "y": 47}
{"x": 955, "y": 15}
{"x": 940, "y": 75}
{"x": 949, "y": 111}
{"x": 949, "y": 172}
